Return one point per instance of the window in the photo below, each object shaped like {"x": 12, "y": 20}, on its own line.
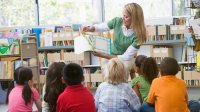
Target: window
{"x": 151, "y": 8}
{"x": 53, "y": 12}
{"x": 180, "y": 7}
{"x": 17, "y": 13}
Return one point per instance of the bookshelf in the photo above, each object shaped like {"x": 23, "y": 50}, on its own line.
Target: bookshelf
{"x": 165, "y": 42}
{"x": 55, "y": 48}
{"x": 50, "y": 54}
{"x": 93, "y": 76}
{"x": 8, "y": 75}
{"x": 9, "y": 57}
{"x": 25, "y": 54}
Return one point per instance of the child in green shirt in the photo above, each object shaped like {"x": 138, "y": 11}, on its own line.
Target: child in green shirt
{"x": 147, "y": 70}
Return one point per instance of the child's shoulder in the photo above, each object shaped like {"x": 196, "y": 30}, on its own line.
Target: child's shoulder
{"x": 136, "y": 79}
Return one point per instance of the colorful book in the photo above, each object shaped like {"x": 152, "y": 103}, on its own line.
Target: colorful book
{"x": 92, "y": 43}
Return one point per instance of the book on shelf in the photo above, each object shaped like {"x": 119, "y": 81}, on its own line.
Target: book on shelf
{"x": 4, "y": 47}
{"x": 198, "y": 61}
{"x": 92, "y": 43}
{"x": 6, "y": 69}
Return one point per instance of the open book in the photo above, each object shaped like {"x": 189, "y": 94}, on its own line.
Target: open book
{"x": 92, "y": 43}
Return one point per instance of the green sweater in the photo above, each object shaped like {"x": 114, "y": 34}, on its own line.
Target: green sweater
{"x": 121, "y": 42}
{"x": 144, "y": 89}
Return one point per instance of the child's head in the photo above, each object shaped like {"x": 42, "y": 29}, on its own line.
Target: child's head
{"x": 116, "y": 72}
{"x": 25, "y": 76}
{"x": 73, "y": 74}
{"x": 149, "y": 69}
{"x": 54, "y": 85}
{"x": 54, "y": 73}
{"x": 169, "y": 66}
{"x": 138, "y": 62}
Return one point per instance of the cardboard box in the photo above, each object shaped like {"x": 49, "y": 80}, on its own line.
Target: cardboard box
{"x": 162, "y": 52}
{"x": 178, "y": 29}
{"x": 53, "y": 57}
{"x": 157, "y": 52}
{"x": 166, "y": 52}
{"x": 87, "y": 77}
{"x": 96, "y": 78}
{"x": 151, "y": 30}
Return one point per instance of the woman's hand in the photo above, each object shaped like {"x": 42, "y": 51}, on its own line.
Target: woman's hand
{"x": 99, "y": 54}
{"x": 106, "y": 56}
{"x": 88, "y": 29}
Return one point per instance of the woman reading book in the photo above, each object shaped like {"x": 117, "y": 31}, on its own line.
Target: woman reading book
{"x": 129, "y": 33}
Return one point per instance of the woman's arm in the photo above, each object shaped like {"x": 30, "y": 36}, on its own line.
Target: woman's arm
{"x": 102, "y": 27}
{"x": 129, "y": 54}
{"x": 136, "y": 89}
{"x": 106, "y": 56}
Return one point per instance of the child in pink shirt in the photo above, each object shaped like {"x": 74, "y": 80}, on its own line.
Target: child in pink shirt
{"x": 22, "y": 96}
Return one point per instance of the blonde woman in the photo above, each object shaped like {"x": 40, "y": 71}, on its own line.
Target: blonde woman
{"x": 115, "y": 94}
{"x": 129, "y": 33}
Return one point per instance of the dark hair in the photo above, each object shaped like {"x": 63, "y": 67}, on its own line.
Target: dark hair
{"x": 25, "y": 74}
{"x": 149, "y": 69}
{"x": 54, "y": 85}
{"x": 139, "y": 60}
{"x": 12, "y": 83}
{"x": 169, "y": 66}
{"x": 73, "y": 74}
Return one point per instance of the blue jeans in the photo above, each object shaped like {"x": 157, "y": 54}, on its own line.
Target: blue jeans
{"x": 194, "y": 106}
{"x": 146, "y": 108}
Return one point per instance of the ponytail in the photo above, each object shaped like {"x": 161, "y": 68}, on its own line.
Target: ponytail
{"x": 26, "y": 93}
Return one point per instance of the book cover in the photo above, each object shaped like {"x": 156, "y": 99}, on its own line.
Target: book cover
{"x": 92, "y": 43}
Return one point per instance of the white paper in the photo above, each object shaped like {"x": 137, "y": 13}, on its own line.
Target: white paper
{"x": 48, "y": 39}
{"x": 81, "y": 45}
{"x": 196, "y": 27}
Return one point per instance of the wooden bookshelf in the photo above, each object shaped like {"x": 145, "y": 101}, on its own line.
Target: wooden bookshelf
{"x": 9, "y": 57}
{"x": 55, "y": 48}
{"x": 193, "y": 86}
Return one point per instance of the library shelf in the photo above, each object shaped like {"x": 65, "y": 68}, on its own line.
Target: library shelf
{"x": 9, "y": 57}
{"x": 193, "y": 86}
{"x": 55, "y": 48}
{"x": 165, "y": 42}
{"x": 44, "y": 68}
{"x": 5, "y": 79}
{"x": 93, "y": 88}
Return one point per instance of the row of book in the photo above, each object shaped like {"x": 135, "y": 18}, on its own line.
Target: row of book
{"x": 192, "y": 82}
{"x": 67, "y": 57}
{"x": 65, "y": 37}
{"x": 6, "y": 69}
{"x": 93, "y": 76}
{"x": 166, "y": 32}
{"x": 179, "y": 21}
{"x": 9, "y": 46}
